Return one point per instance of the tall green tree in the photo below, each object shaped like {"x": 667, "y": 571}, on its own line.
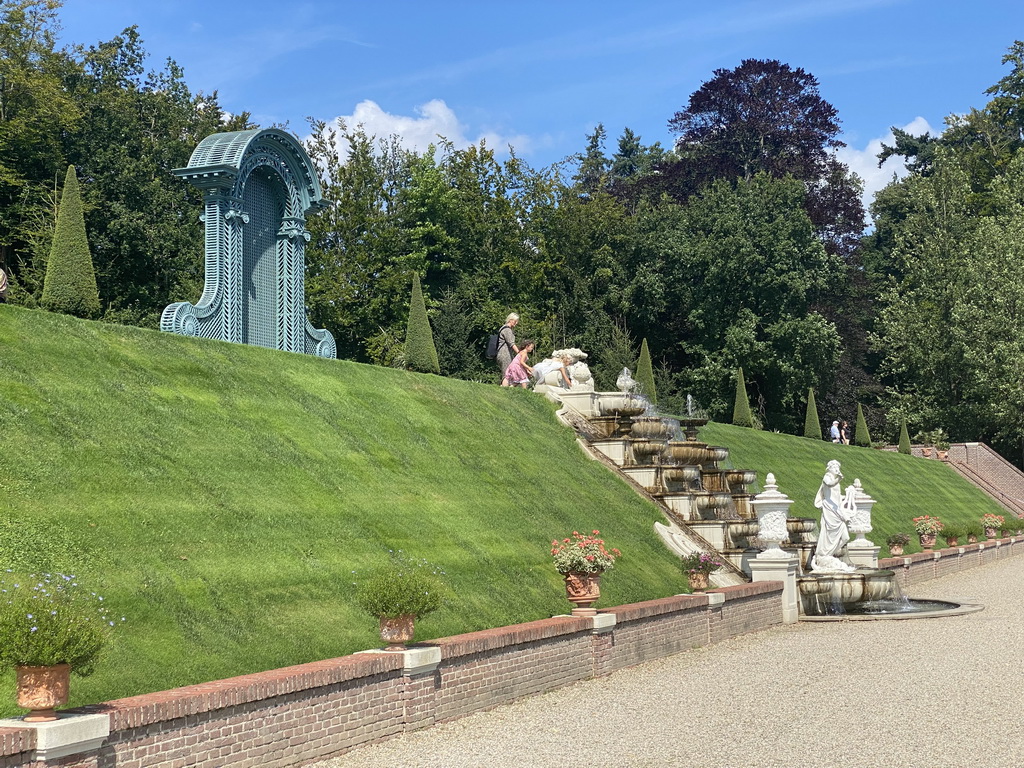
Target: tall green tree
{"x": 70, "y": 285}
{"x": 420, "y": 353}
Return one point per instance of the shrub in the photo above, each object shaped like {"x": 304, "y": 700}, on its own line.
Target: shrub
{"x": 741, "y": 415}
{"x": 812, "y": 424}
{"x": 904, "y": 438}
{"x": 861, "y": 436}
{"x": 402, "y": 587}
{"x": 70, "y": 282}
{"x": 952, "y": 531}
{"x": 898, "y": 539}
{"x": 50, "y": 619}
{"x": 420, "y": 352}
{"x": 645, "y": 374}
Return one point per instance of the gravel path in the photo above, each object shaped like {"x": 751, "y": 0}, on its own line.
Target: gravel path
{"x": 851, "y": 694}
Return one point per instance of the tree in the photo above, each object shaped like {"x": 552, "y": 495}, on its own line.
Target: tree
{"x": 70, "y": 285}
{"x": 861, "y": 436}
{"x": 741, "y": 415}
{"x": 420, "y": 353}
{"x": 760, "y": 116}
{"x": 904, "y": 438}
{"x": 645, "y": 373}
{"x": 812, "y": 424}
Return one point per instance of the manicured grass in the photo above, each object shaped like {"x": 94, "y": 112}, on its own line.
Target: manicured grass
{"x": 904, "y": 487}
{"x": 224, "y": 498}
{"x": 221, "y": 496}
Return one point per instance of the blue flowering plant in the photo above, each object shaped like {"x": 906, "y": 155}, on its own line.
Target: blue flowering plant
{"x": 405, "y": 586}
{"x": 48, "y": 619}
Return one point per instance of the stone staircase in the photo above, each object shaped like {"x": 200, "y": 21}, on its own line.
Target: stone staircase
{"x": 990, "y": 472}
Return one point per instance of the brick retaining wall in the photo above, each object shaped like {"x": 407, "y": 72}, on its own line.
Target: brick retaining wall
{"x": 300, "y": 714}
{"x": 287, "y": 717}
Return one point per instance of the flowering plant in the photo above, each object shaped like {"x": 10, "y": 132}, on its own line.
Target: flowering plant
{"x": 927, "y": 524}
{"x": 699, "y": 562}
{"x": 404, "y": 587}
{"x": 583, "y": 553}
{"x": 898, "y": 539}
{"x": 990, "y": 520}
{"x": 51, "y": 619}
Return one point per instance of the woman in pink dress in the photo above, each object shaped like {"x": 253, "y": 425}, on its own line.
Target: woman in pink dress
{"x": 518, "y": 372}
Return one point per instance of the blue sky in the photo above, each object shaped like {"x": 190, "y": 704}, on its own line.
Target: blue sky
{"x": 541, "y": 75}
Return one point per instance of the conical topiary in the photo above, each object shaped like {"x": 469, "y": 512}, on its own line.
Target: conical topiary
{"x": 70, "y": 282}
{"x": 861, "y": 436}
{"x": 420, "y": 352}
{"x": 741, "y": 415}
{"x": 645, "y": 374}
{"x": 812, "y": 425}
{"x": 904, "y": 438}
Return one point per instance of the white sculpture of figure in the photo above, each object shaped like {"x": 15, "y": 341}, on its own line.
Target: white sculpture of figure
{"x": 835, "y": 514}
{"x": 550, "y": 376}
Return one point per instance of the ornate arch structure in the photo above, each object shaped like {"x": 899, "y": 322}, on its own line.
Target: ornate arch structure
{"x": 258, "y": 187}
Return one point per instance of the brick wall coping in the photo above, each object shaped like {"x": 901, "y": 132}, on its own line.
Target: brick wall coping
{"x": 514, "y": 634}
{"x": 901, "y": 560}
{"x": 160, "y": 706}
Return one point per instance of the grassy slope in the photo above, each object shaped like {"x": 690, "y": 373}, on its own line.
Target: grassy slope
{"x": 904, "y": 487}
{"x": 221, "y": 496}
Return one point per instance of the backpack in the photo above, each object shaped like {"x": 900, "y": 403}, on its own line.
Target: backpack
{"x": 492, "y": 347}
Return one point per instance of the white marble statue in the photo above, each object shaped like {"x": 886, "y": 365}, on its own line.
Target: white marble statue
{"x": 835, "y": 516}
{"x": 550, "y": 372}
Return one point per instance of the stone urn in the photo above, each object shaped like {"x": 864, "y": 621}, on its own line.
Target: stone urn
{"x": 42, "y": 690}
{"x": 927, "y": 540}
{"x": 991, "y": 533}
{"x": 397, "y": 631}
{"x": 895, "y": 549}
{"x": 583, "y": 590}
{"x": 699, "y": 580}
{"x": 772, "y": 508}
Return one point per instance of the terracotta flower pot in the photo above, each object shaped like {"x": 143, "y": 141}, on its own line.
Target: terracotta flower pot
{"x": 583, "y": 590}
{"x": 398, "y": 631}
{"x": 991, "y": 533}
{"x": 895, "y": 549}
{"x": 699, "y": 581}
{"x": 927, "y": 540}
{"x": 42, "y": 690}
{"x": 953, "y": 541}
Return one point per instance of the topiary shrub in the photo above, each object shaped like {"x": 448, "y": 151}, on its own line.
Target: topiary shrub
{"x": 70, "y": 282}
{"x": 645, "y": 374}
{"x": 861, "y": 436}
{"x": 741, "y": 415}
{"x": 420, "y": 352}
{"x": 904, "y": 438}
{"x": 812, "y": 424}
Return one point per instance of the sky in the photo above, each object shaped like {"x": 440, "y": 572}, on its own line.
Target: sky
{"x": 540, "y": 76}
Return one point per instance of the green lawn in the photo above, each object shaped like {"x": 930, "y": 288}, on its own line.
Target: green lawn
{"x": 221, "y": 497}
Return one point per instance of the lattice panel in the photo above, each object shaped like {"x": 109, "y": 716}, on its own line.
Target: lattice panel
{"x": 264, "y": 202}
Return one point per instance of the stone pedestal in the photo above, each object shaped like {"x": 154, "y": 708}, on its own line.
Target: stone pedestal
{"x": 776, "y": 569}
{"x": 862, "y": 556}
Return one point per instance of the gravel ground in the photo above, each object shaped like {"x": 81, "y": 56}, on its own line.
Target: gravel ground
{"x": 928, "y": 692}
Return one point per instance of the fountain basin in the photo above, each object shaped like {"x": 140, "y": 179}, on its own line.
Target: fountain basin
{"x": 651, "y": 427}
{"x": 908, "y": 608}
{"x": 681, "y": 474}
{"x": 621, "y": 404}
{"x": 717, "y": 453}
{"x": 687, "y": 452}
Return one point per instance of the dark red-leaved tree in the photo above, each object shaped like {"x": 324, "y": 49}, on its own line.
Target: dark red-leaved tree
{"x": 761, "y": 116}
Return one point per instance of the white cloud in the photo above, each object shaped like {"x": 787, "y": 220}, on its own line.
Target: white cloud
{"x": 432, "y": 120}
{"x": 864, "y": 162}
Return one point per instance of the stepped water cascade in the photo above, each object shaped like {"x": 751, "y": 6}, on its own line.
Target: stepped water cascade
{"x": 828, "y": 574}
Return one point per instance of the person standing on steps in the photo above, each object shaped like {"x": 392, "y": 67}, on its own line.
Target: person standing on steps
{"x": 507, "y": 348}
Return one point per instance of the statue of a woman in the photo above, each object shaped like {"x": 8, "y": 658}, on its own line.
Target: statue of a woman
{"x": 835, "y": 514}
